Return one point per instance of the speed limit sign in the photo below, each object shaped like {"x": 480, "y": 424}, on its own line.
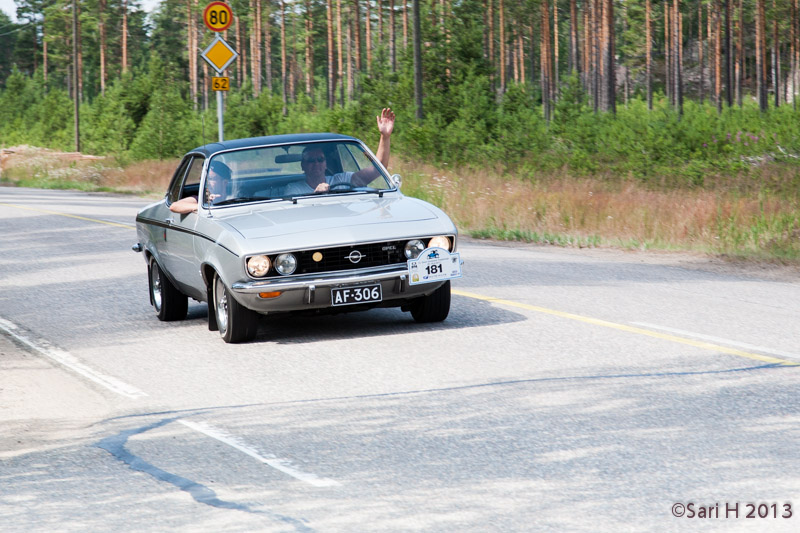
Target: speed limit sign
{"x": 218, "y": 16}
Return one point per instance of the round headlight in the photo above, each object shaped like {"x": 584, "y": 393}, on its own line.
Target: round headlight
{"x": 286, "y": 264}
{"x": 441, "y": 241}
{"x": 258, "y": 265}
{"x": 414, "y": 248}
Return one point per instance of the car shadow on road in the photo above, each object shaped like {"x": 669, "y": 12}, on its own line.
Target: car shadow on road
{"x": 302, "y": 328}
{"x": 306, "y": 328}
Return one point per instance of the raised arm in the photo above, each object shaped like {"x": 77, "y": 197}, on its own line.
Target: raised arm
{"x": 385, "y": 127}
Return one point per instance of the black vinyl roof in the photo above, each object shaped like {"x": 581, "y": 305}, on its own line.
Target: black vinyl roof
{"x": 252, "y": 142}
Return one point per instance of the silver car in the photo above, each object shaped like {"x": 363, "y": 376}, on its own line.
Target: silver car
{"x": 261, "y": 241}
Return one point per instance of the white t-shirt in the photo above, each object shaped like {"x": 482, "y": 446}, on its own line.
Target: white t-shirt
{"x": 301, "y": 188}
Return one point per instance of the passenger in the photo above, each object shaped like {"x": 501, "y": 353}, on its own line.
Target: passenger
{"x": 314, "y": 164}
{"x": 219, "y": 174}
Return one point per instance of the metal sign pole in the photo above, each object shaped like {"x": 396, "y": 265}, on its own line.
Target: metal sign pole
{"x": 219, "y": 116}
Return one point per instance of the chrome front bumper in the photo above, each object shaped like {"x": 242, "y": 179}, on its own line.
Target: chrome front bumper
{"x": 317, "y": 281}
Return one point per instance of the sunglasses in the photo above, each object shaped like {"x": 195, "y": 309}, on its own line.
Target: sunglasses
{"x": 319, "y": 159}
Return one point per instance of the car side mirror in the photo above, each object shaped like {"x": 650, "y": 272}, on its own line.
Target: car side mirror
{"x": 397, "y": 179}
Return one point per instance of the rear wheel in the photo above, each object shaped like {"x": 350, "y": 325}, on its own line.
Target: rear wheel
{"x": 236, "y": 323}
{"x": 433, "y": 308}
{"x": 170, "y": 304}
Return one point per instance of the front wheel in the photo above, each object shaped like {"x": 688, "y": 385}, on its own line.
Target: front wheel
{"x": 433, "y": 308}
{"x": 236, "y": 322}
{"x": 170, "y": 304}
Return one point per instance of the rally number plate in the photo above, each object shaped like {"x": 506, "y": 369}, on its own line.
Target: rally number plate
{"x": 434, "y": 264}
{"x": 356, "y": 295}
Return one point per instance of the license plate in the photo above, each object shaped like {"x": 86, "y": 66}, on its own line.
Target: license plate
{"x": 356, "y": 295}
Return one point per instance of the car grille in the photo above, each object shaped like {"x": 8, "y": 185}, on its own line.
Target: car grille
{"x": 339, "y": 258}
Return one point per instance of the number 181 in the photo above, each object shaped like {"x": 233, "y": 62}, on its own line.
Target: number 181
{"x": 434, "y": 269}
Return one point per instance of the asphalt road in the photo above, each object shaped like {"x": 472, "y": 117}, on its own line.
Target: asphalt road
{"x": 569, "y": 390}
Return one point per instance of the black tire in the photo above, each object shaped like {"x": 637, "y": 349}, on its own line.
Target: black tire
{"x": 170, "y": 304}
{"x": 433, "y": 308}
{"x": 236, "y": 323}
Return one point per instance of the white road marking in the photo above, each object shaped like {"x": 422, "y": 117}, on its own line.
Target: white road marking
{"x": 284, "y": 465}
{"x": 718, "y": 340}
{"x": 69, "y": 361}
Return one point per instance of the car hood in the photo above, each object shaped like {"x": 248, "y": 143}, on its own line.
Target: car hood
{"x": 325, "y": 215}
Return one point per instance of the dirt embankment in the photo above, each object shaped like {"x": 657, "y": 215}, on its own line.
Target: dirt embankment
{"x": 16, "y": 155}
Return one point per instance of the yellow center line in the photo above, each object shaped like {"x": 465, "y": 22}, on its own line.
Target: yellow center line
{"x": 630, "y": 329}
{"x": 68, "y": 215}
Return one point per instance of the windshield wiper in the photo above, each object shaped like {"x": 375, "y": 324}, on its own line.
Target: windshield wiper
{"x": 241, "y": 199}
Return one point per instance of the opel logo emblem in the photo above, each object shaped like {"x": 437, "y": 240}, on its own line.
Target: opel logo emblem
{"x": 355, "y": 256}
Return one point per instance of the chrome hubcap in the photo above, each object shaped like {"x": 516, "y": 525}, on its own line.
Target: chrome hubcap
{"x": 222, "y": 306}
{"x": 155, "y": 281}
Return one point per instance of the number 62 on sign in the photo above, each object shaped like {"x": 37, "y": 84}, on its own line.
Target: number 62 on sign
{"x": 220, "y": 83}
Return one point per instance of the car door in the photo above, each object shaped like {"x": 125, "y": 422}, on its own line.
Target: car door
{"x": 179, "y": 258}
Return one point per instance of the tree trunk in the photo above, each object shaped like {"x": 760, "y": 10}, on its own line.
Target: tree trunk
{"x": 700, "y": 50}
{"x": 586, "y": 75}
{"x": 309, "y": 51}
{"x": 190, "y": 52}
{"x": 339, "y": 48}
{"x": 792, "y": 52}
{"x": 44, "y": 50}
{"x": 490, "y": 26}
{"x": 502, "y": 25}
{"x": 776, "y": 56}
{"x": 205, "y": 86}
{"x": 718, "y": 55}
{"x": 405, "y": 24}
{"x": 240, "y": 58}
{"x": 668, "y": 54}
{"x": 350, "y": 60}
{"x": 446, "y": 30}
{"x": 368, "y": 35}
{"x": 740, "y": 54}
{"x": 555, "y": 50}
{"x": 648, "y": 38}
{"x": 101, "y": 26}
{"x": 256, "y": 53}
{"x": 545, "y": 61}
{"x": 417, "y": 63}
{"x": 379, "y": 7}
{"x": 392, "y": 36}
{"x": 124, "y": 36}
{"x": 677, "y": 42}
{"x": 79, "y": 42}
{"x": 356, "y": 20}
{"x": 574, "y": 64}
{"x": 284, "y": 77}
{"x": 761, "y": 63}
{"x": 728, "y": 55}
{"x": 331, "y": 64}
{"x": 267, "y": 36}
{"x": 610, "y": 60}
{"x": 75, "y": 76}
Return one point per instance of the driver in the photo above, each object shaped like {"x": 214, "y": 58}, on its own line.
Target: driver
{"x": 314, "y": 164}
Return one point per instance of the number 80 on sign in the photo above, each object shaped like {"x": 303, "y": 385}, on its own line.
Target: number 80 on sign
{"x": 218, "y": 16}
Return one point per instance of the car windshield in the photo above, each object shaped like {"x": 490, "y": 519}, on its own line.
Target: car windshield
{"x": 292, "y": 171}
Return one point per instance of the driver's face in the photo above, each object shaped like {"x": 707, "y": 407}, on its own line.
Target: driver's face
{"x": 313, "y": 163}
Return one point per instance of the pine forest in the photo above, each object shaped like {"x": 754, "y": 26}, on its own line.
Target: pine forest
{"x": 672, "y": 94}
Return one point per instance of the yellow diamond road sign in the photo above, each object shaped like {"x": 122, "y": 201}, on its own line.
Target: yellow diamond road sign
{"x": 219, "y": 54}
